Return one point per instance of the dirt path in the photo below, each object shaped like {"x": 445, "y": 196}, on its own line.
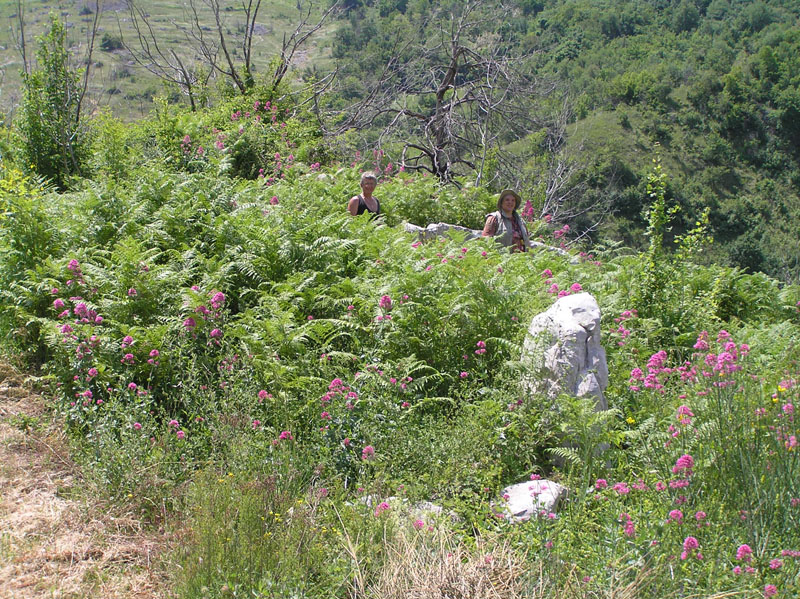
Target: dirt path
{"x": 53, "y": 542}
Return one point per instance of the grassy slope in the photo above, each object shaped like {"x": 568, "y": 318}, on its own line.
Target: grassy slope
{"x": 117, "y": 82}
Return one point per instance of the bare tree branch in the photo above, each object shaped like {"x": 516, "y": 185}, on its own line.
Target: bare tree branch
{"x": 165, "y": 63}
{"x": 19, "y": 36}
{"x": 91, "y": 35}
{"x": 297, "y": 39}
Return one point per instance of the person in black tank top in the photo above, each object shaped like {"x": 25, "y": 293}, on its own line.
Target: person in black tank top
{"x": 365, "y": 201}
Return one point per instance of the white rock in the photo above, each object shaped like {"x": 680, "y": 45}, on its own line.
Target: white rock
{"x": 435, "y": 230}
{"x": 563, "y": 352}
{"x": 527, "y": 500}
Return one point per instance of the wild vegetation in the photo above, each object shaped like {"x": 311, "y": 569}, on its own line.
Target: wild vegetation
{"x": 238, "y": 360}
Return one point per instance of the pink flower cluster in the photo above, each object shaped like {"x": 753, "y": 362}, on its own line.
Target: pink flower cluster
{"x": 690, "y": 545}
{"x": 560, "y": 233}
{"x": 628, "y": 529}
{"x": 621, "y": 330}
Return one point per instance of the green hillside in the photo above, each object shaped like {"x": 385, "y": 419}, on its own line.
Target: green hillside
{"x": 714, "y": 84}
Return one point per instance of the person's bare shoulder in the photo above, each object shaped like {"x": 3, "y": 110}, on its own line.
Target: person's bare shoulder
{"x": 352, "y": 205}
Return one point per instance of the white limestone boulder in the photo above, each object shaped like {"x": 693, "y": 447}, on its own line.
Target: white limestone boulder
{"x": 563, "y": 353}
{"x": 531, "y": 499}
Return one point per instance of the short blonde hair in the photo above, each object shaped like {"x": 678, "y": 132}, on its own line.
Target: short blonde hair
{"x": 369, "y": 175}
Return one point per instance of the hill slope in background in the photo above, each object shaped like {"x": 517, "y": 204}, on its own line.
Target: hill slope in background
{"x": 117, "y": 81}
{"x": 714, "y": 84}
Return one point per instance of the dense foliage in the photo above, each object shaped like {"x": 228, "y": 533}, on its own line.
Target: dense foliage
{"x": 714, "y": 83}
{"x": 253, "y": 339}
{"x": 226, "y": 344}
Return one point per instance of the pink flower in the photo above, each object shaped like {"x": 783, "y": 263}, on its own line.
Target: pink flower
{"x": 690, "y": 543}
{"x": 92, "y": 373}
{"x": 173, "y": 422}
{"x": 463, "y": 374}
{"x": 256, "y": 423}
{"x": 262, "y": 395}
{"x": 743, "y": 553}
{"x": 132, "y": 292}
{"x": 684, "y": 414}
{"x": 58, "y": 304}
{"x": 382, "y": 507}
{"x": 286, "y": 435}
{"x": 180, "y": 434}
{"x": 770, "y": 590}
{"x": 216, "y": 334}
{"x": 368, "y": 452}
{"x": 684, "y": 463}
{"x": 419, "y": 524}
{"x": 775, "y": 564}
{"x": 621, "y": 488}
{"x": 675, "y": 516}
{"x": 576, "y": 287}
{"x": 217, "y": 300}
{"x": 600, "y": 483}
{"x": 189, "y": 323}
{"x": 132, "y": 386}
{"x": 385, "y": 302}
{"x": 137, "y": 426}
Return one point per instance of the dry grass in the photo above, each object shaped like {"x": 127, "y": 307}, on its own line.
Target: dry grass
{"x": 434, "y": 565}
{"x": 55, "y": 542}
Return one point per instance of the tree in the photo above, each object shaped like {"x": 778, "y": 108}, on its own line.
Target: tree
{"x": 56, "y": 138}
{"x": 451, "y": 97}
{"x": 210, "y": 48}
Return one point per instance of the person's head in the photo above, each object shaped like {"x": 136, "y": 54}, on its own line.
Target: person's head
{"x": 508, "y": 200}
{"x": 369, "y": 181}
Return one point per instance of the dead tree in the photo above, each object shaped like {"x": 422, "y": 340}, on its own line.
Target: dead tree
{"x": 210, "y": 48}
{"x": 152, "y": 53}
{"x": 91, "y": 36}
{"x": 451, "y": 95}
{"x": 18, "y": 35}
{"x": 298, "y": 37}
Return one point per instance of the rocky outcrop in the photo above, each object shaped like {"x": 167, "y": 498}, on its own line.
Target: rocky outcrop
{"x": 435, "y": 230}
{"x": 563, "y": 352}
